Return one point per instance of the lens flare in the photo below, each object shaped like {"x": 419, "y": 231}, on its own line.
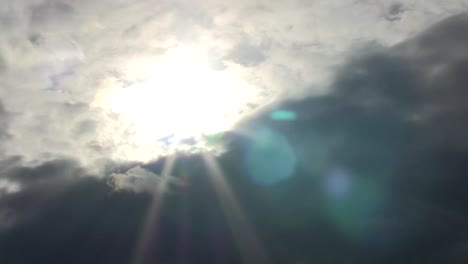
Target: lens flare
{"x": 352, "y": 202}
{"x": 270, "y": 158}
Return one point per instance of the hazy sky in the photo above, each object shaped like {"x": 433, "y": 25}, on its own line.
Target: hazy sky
{"x": 350, "y": 122}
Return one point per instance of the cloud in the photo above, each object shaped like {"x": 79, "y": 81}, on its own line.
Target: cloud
{"x": 25, "y": 191}
{"x": 62, "y": 220}
{"x": 138, "y": 179}
{"x": 55, "y": 55}
{"x": 3, "y": 123}
{"x": 378, "y": 172}
{"x": 380, "y": 154}
{"x": 420, "y": 79}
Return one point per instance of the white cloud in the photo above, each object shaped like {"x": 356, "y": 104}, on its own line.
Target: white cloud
{"x": 8, "y": 187}
{"x": 138, "y": 179}
{"x": 55, "y": 55}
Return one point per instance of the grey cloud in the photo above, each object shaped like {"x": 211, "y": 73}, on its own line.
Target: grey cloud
{"x": 50, "y": 171}
{"x": 50, "y": 12}
{"x": 378, "y": 80}
{"x": 399, "y": 138}
{"x": 37, "y": 187}
{"x": 85, "y": 127}
{"x": 422, "y": 79}
{"x": 388, "y": 103}
{"x": 26, "y": 191}
{"x": 2, "y": 65}
{"x": 248, "y": 55}
{"x": 138, "y": 179}
{"x": 65, "y": 229}
{"x": 3, "y": 122}
{"x": 395, "y": 11}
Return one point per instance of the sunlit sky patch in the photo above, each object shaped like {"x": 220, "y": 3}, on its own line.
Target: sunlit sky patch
{"x": 173, "y": 101}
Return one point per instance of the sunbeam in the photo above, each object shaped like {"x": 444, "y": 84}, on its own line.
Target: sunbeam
{"x": 150, "y": 230}
{"x": 247, "y": 241}
{"x": 183, "y": 248}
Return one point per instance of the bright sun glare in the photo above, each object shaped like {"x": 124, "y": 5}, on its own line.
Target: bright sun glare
{"x": 174, "y": 97}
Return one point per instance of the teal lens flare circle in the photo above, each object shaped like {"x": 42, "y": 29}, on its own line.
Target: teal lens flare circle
{"x": 270, "y": 157}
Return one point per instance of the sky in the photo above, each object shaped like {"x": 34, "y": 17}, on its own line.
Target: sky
{"x": 142, "y": 131}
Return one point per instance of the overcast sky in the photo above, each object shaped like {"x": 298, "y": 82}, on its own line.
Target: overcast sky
{"x": 370, "y": 144}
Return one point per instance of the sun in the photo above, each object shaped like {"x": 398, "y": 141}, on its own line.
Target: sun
{"x": 168, "y": 100}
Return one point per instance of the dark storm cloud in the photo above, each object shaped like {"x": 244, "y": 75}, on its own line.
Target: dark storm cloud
{"x": 383, "y": 157}
{"x": 438, "y": 56}
{"x": 37, "y": 185}
{"x": 62, "y": 216}
{"x": 49, "y": 171}
{"x": 83, "y": 221}
{"x": 380, "y": 176}
{"x": 422, "y": 80}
